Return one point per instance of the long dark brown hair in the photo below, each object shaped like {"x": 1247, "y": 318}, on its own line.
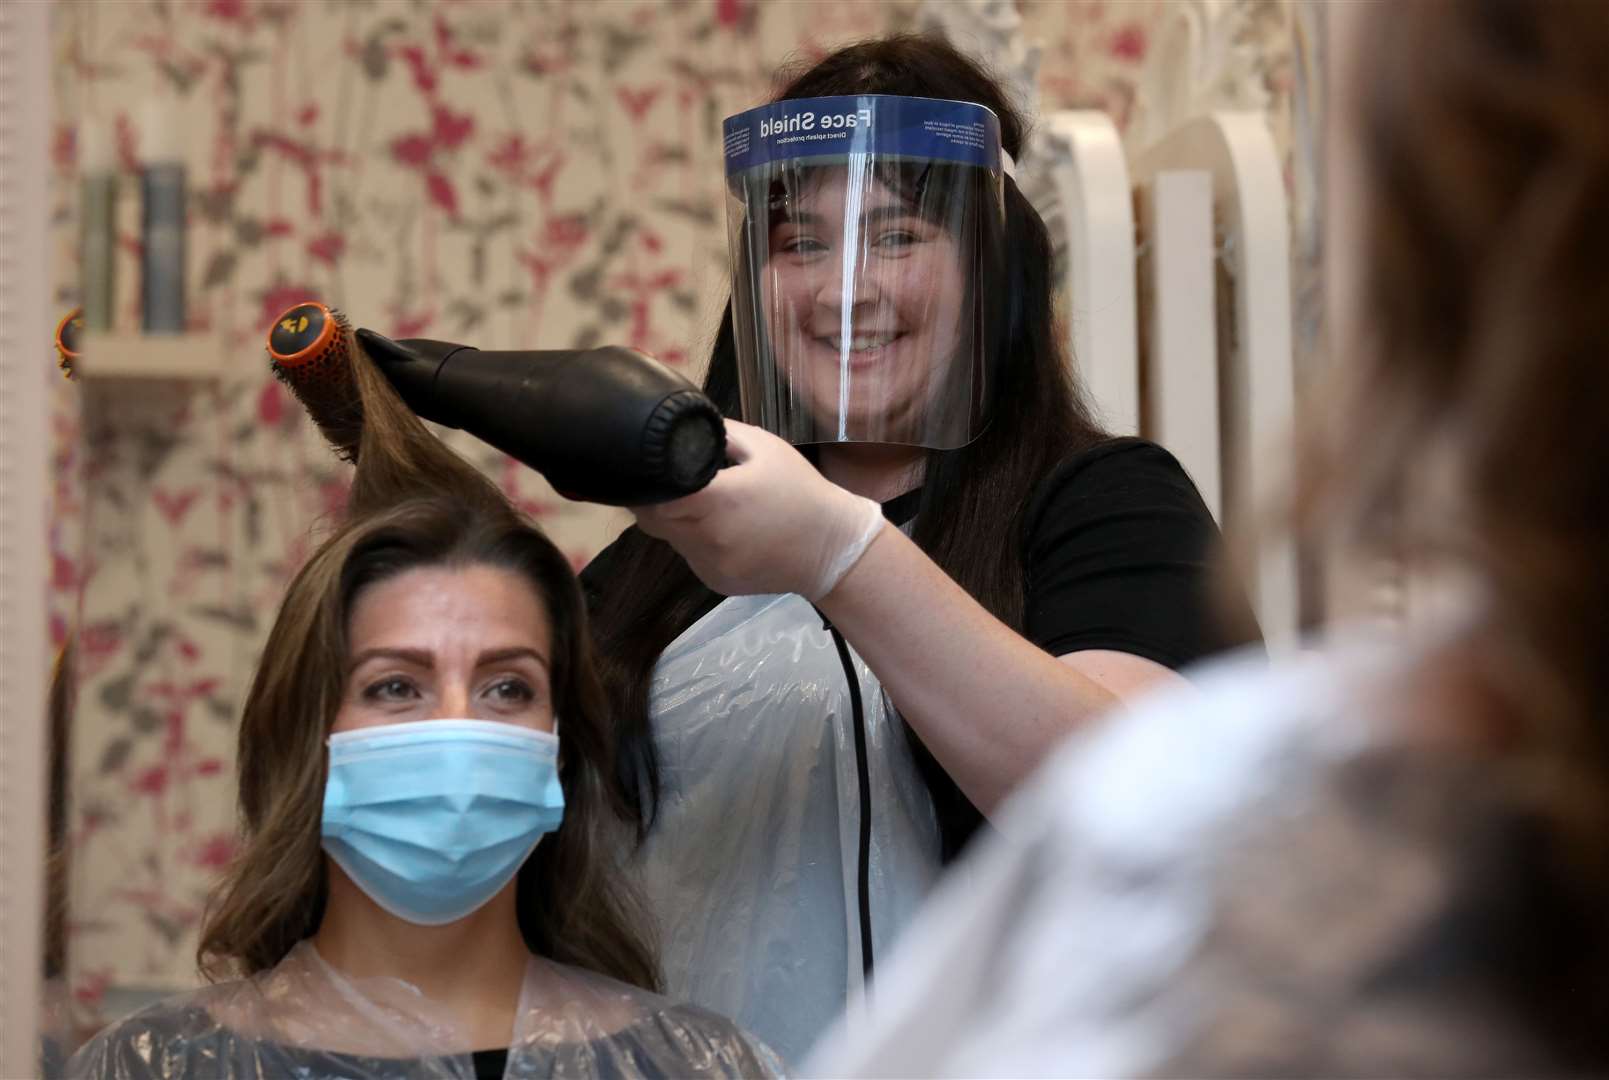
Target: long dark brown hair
{"x": 416, "y": 503}
{"x": 970, "y": 515}
{"x": 1484, "y": 363}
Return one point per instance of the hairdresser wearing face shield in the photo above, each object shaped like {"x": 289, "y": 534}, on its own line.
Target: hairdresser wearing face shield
{"x": 925, "y": 567}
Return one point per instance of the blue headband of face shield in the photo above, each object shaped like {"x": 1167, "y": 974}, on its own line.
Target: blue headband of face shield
{"x": 887, "y": 125}
{"x": 867, "y": 238}
{"x": 433, "y": 818}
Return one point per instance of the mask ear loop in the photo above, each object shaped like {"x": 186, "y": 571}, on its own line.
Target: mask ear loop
{"x": 1008, "y": 164}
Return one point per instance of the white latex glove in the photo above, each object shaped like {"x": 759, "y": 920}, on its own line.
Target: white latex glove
{"x": 770, "y": 523}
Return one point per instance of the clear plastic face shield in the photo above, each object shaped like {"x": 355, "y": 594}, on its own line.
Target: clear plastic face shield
{"x": 866, "y": 237}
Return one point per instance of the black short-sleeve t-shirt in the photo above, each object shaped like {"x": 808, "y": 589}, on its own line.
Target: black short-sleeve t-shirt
{"x": 1119, "y": 553}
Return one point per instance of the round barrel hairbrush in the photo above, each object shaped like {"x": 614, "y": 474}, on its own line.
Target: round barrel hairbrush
{"x": 310, "y": 351}
{"x": 69, "y": 332}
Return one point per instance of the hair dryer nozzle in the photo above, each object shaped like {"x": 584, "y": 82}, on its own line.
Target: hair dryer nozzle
{"x": 607, "y": 425}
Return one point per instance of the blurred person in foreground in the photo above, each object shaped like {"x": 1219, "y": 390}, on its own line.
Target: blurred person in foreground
{"x": 1390, "y": 858}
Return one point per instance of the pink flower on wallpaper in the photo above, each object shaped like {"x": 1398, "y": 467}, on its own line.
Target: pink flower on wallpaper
{"x": 449, "y": 129}
{"x": 332, "y": 497}
{"x": 448, "y": 52}
{"x": 271, "y": 404}
{"x": 63, "y": 572}
{"x": 307, "y": 114}
{"x": 304, "y": 156}
{"x": 510, "y": 155}
{"x": 128, "y": 156}
{"x": 729, "y": 13}
{"x": 406, "y": 324}
{"x": 565, "y": 232}
{"x": 1129, "y": 43}
{"x": 442, "y": 192}
{"x": 152, "y": 780}
{"x": 557, "y": 242}
{"x": 209, "y": 766}
{"x": 637, "y": 102}
{"x": 64, "y": 148}
{"x": 424, "y": 74}
{"x": 277, "y": 299}
{"x": 216, "y": 852}
{"x": 99, "y": 641}
{"x": 327, "y": 247}
{"x": 175, "y": 506}
{"x": 512, "y": 473}
{"x": 227, "y": 10}
{"x": 413, "y": 150}
{"x": 418, "y": 150}
{"x": 173, "y": 739}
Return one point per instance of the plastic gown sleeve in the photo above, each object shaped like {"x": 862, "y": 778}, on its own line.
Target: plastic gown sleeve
{"x": 306, "y": 1020}
{"x": 1252, "y": 876}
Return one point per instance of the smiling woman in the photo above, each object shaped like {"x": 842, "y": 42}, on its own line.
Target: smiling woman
{"x": 817, "y": 697}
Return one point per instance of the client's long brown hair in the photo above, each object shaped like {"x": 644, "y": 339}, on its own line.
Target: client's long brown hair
{"x": 415, "y": 503}
{"x": 1484, "y": 138}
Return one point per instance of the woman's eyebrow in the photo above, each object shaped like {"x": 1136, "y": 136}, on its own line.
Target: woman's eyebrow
{"x": 515, "y": 652}
{"x": 887, "y": 213}
{"x": 416, "y": 657}
{"x": 871, "y": 216}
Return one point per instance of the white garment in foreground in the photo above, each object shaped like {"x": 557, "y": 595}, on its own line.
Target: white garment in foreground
{"x": 1237, "y": 879}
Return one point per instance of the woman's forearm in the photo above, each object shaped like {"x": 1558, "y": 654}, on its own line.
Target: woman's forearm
{"x": 987, "y": 702}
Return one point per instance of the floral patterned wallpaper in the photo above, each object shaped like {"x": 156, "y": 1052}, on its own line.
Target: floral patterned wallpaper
{"x": 534, "y": 173}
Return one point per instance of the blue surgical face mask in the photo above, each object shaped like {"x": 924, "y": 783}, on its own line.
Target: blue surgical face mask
{"x": 432, "y": 818}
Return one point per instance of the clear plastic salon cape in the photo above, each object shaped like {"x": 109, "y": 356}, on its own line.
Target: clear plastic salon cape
{"x": 304, "y": 1019}
{"x": 752, "y": 865}
{"x": 1249, "y": 877}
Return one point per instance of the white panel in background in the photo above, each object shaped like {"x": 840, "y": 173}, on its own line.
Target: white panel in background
{"x": 25, "y": 371}
{"x": 1256, "y": 368}
{"x": 1181, "y": 357}
{"x": 1092, "y": 183}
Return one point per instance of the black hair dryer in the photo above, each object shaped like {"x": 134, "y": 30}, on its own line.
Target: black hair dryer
{"x": 608, "y": 425}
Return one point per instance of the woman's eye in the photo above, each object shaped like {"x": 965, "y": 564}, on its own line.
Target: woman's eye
{"x": 898, "y": 239}
{"x": 803, "y": 245}
{"x": 513, "y": 691}
{"x": 393, "y": 688}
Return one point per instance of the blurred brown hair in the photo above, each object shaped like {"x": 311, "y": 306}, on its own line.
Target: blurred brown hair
{"x": 1484, "y": 136}
{"x": 414, "y": 502}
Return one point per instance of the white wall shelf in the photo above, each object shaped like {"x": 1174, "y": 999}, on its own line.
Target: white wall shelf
{"x": 150, "y": 356}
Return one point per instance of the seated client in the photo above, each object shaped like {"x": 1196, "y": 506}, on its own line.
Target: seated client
{"x": 425, "y": 782}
